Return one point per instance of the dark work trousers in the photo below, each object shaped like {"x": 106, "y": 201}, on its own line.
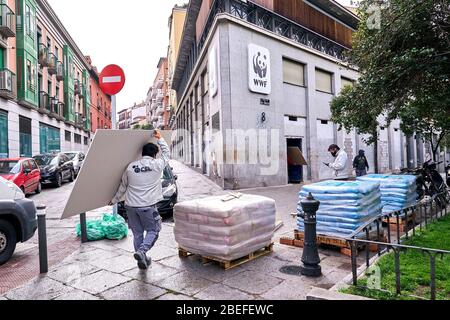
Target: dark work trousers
{"x": 144, "y": 220}
{"x": 360, "y": 173}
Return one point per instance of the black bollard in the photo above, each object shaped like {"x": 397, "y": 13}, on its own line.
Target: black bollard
{"x": 42, "y": 235}
{"x": 83, "y": 228}
{"x": 310, "y": 258}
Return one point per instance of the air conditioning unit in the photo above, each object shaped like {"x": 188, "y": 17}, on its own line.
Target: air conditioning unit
{"x": 6, "y": 82}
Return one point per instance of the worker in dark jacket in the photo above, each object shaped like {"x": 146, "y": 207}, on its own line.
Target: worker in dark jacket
{"x": 360, "y": 164}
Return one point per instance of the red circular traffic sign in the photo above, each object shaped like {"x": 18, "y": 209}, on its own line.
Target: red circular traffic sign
{"x": 112, "y": 79}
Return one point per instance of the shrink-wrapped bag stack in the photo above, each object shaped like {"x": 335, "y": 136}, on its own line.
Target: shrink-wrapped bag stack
{"x": 344, "y": 205}
{"x": 397, "y": 191}
{"x": 226, "y": 230}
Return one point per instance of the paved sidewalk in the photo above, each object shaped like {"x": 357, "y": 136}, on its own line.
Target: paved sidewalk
{"x": 107, "y": 270}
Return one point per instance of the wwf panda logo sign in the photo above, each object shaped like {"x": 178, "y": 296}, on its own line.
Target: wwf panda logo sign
{"x": 259, "y": 69}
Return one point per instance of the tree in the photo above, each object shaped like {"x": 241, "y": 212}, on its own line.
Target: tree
{"x": 143, "y": 127}
{"x": 404, "y": 68}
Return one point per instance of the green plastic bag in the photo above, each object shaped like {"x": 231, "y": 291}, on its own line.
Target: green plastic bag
{"x": 94, "y": 230}
{"x": 114, "y": 227}
{"x": 111, "y": 226}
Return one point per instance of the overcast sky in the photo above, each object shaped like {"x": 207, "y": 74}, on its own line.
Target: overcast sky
{"x": 133, "y": 34}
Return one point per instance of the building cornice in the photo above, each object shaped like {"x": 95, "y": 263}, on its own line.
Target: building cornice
{"x": 52, "y": 16}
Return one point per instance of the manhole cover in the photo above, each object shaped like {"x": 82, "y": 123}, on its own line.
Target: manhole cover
{"x": 291, "y": 270}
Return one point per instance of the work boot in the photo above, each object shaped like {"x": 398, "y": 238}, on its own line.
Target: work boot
{"x": 141, "y": 260}
{"x": 149, "y": 261}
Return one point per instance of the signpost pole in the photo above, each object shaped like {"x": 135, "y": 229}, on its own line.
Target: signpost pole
{"x": 114, "y": 127}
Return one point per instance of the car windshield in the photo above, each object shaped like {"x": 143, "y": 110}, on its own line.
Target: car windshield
{"x": 9, "y": 167}
{"x": 71, "y": 156}
{"x": 166, "y": 174}
{"x": 46, "y": 160}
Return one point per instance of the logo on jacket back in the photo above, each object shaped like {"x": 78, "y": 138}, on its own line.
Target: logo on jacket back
{"x": 142, "y": 169}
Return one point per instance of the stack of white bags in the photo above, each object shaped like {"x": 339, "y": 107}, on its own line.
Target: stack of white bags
{"x": 226, "y": 230}
{"x": 397, "y": 191}
{"x": 344, "y": 206}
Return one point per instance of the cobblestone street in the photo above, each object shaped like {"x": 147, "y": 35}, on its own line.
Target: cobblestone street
{"x": 106, "y": 269}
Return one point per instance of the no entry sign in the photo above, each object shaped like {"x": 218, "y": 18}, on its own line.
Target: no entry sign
{"x": 112, "y": 79}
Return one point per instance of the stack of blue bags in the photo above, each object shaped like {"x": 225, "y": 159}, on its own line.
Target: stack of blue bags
{"x": 344, "y": 205}
{"x": 397, "y": 191}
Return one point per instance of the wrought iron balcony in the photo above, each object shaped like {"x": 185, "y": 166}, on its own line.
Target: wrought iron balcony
{"x": 52, "y": 63}
{"x": 56, "y": 107}
{"x": 7, "y": 84}
{"x": 264, "y": 19}
{"x": 78, "y": 88}
{"x": 80, "y": 120}
{"x": 7, "y": 21}
{"x": 160, "y": 110}
{"x": 159, "y": 83}
{"x": 159, "y": 96}
{"x": 44, "y": 101}
{"x": 59, "y": 71}
{"x": 43, "y": 55}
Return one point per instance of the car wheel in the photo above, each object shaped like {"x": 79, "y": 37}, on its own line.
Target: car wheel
{"x": 8, "y": 241}
{"x": 39, "y": 188}
{"x": 58, "y": 182}
{"x": 72, "y": 176}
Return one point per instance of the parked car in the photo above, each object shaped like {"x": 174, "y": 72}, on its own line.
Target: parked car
{"x": 18, "y": 221}
{"x": 55, "y": 168}
{"x": 24, "y": 172}
{"x": 170, "y": 194}
{"x": 77, "y": 159}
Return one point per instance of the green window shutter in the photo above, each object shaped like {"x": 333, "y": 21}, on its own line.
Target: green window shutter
{"x": 2, "y": 58}
{"x": 3, "y": 134}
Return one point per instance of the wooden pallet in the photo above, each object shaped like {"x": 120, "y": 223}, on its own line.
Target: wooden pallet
{"x": 405, "y": 223}
{"x": 229, "y": 264}
{"x": 322, "y": 240}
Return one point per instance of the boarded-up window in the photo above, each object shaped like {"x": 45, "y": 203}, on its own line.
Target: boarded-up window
{"x": 324, "y": 81}
{"x": 346, "y": 82}
{"x": 293, "y": 72}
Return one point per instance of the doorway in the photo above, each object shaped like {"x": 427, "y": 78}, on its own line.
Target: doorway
{"x": 295, "y": 172}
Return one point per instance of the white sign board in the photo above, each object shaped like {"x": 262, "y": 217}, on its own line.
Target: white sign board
{"x": 259, "y": 77}
{"x": 110, "y": 153}
{"x": 212, "y": 72}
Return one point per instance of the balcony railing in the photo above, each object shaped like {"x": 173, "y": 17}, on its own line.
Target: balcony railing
{"x": 7, "y": 21}
{"x": 267, "y": 20}
{"x": 78, "y": 88}
{"x": 59, "y": 71}
{"x": 44, "y": 101}
{"x": 159, "y": 83}
{"x": 56, "y": 107}
{"x": 79, "y": 120}
{"x": 160, "y": 110}
{"x": 52, "y": 63}
{"x": 43, "y": 55}
{"x": 159, "y": 96}
{"x": 7, "y": 84}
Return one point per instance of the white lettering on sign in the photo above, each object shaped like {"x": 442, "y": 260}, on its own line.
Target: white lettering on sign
{"x": 112, "y": 79}
{"x": 259, "y": 76}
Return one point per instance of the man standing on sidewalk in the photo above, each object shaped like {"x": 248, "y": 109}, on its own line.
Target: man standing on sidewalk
{"x": 339, "y": 166}
{"x": 141, "y": 185}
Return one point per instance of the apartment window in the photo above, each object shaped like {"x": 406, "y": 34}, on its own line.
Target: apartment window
{"x": 49, "y": 87}
{"x": 77, "y": 138}
{"x": 3, "y": 134}
{"x": 346, "y": 82}
{"x": 293, "y": 72}
{"x": 29, "y": 76}
{"x": 324, "y": 81}
{"x": 86, "y": 141}
{"x": 205, "y": 83}
{"x": 68, "y": 136}
{"x": 49, "y": 44}
{"x": 57, "y": 52}
{"x": 49, "y": 138}
{"x": 25, "y": 136}
{"x": 29, "y": 21}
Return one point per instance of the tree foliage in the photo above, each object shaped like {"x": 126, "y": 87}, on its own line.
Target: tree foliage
{"x": 404, "y": 70}
{"x": 143, "y": 127}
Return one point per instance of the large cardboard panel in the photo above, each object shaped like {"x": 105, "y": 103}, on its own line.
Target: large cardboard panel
{"x": 110, "y": 153}
{"x": 296, "y": 155}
